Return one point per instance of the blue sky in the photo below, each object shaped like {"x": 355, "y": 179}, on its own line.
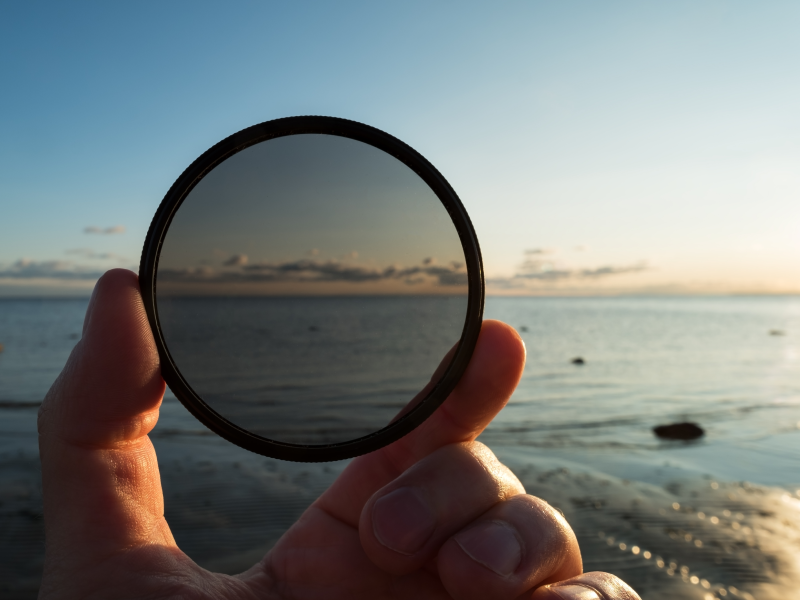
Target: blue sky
{"x": 637, "y": 147}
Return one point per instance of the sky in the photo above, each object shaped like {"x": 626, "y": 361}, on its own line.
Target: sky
{"x": 599, "y": 147}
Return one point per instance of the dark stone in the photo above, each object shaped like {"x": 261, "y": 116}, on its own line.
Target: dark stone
{"x": 776, "y": 332}
{"x": 679, "y": 431}
{"x": 313, "y": 328}
{"x": 578, "y": 361}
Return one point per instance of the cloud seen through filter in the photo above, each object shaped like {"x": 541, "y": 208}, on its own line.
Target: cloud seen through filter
{"x": 237, "y": 260}
{"x": 311, "y": 271}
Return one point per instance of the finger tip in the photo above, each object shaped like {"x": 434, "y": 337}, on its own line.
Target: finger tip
{"x": 120, "y": 275}
{"x": 117, "y": 327}
{"x": 115, "y": 282}
{"x": 494, "y": 371}
{"x": 116, "y": 308}
{"x": 503, "y": 333}
{"x": 113, "y": 375}
{"x": 501, "y": 346}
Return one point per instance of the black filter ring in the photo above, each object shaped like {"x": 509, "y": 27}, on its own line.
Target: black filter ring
{"x": 237, "y": 142}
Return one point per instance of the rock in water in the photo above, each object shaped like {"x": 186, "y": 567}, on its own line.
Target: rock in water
{"x": 1, "y": 348}
{"x": 679, "y": 431}
{"x": 578, "y": 361}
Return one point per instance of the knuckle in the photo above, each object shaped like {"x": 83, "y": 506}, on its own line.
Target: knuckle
{"x": 539, "y": 521}
{"x": 483, "y": 458}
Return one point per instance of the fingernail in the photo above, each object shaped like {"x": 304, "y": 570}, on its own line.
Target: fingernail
{"x": 494, "y": 544}
{"x": 574, "y": 592}
{"x": 403, "y": 520}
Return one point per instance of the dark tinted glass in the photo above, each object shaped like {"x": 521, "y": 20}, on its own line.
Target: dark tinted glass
{"x": 309, "y": 286}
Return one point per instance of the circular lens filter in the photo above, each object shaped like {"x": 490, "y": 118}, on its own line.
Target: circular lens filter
{"x": 314, "y": 287}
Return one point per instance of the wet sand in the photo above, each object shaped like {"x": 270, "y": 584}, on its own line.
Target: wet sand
{"x": 672, "y": 534}
{"x": 690, "y": 537}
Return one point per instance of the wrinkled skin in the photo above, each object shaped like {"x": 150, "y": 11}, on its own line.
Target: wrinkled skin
{"x": 432, "y": 516}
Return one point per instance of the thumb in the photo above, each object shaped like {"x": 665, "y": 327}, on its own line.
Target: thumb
{"x": 100, "y": 480}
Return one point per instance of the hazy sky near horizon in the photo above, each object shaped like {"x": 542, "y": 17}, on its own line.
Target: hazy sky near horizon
{"x": 598, "y": 147}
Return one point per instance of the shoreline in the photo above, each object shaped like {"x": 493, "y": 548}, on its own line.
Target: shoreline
{"x": 670, "y": 532}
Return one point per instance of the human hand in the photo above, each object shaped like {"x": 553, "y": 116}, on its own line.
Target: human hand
{"x": 432, "y": 516}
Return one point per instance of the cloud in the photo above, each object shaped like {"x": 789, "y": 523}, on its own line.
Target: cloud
{"x": 538, "y": 251}
{"x": 53, "y": 269}
{"x": 532, "y": 265}
{"x": 551, "y": 274}
{"x": 611, "y": 270}
{"x": 89, "y": 253}
{"x": 321, "y": 271}
{"x": 104, "y": 230}
{"x": 536, "y": 270}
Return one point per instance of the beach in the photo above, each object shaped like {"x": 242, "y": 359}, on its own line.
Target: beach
{"x": 715, "y": 518}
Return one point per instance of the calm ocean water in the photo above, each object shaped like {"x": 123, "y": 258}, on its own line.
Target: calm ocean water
{"x": 579, "y": 436}
{"x": 730, "y": 364}
{"x": 310, "y": 370}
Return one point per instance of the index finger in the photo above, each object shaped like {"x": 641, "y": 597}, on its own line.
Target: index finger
{"x": 484, "y": 389}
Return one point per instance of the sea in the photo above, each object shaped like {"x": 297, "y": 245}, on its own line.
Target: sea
{"x": 578, "y": 433}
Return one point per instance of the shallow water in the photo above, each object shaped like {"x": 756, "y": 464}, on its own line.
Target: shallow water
{"x": 651, "y": 361}
{"x": 577, "y": 435}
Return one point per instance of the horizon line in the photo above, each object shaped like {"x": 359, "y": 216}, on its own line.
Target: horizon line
{"x": 639, "y": 294}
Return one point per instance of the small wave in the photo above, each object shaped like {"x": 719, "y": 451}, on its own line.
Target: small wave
{"x": 644, "y": 419}
{"x": 20, "y": 403}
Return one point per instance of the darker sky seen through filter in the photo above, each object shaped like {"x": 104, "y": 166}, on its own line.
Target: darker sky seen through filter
{"x": 316, "y": 214}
